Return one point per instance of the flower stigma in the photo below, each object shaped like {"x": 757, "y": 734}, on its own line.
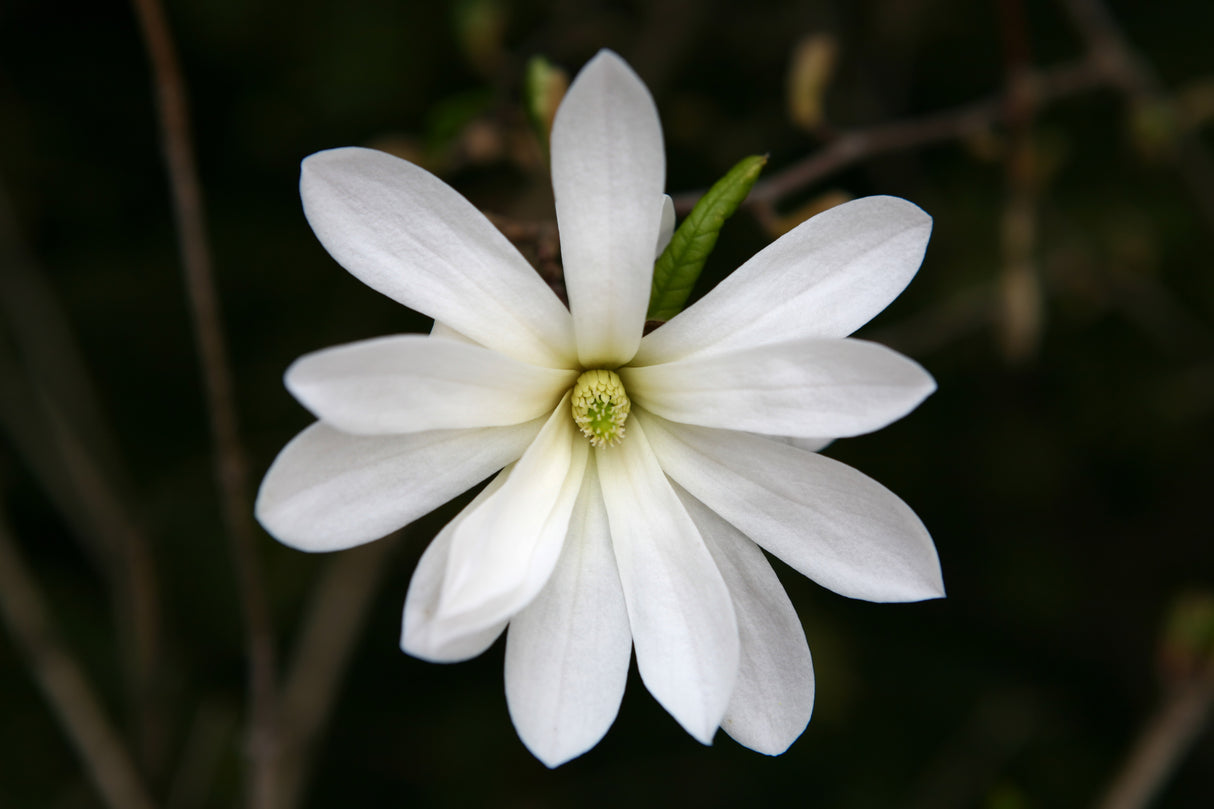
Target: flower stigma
{"x": 600, "y": 407}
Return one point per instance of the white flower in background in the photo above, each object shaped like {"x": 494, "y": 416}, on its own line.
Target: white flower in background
{"x": 637, "y": 477}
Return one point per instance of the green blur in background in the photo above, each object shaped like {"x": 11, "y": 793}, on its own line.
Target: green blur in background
{"x": 1065, "y": 307}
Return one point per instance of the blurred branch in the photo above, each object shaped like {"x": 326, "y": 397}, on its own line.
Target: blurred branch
{"x": 212, "y": 731}
{"x": 1022, "y": 309}
{"x": 52, "y": 415}
{"x": 229, "y": 457}
{"x": 338, "y": 610}
{"x": 848, "y": 148}
{"x": 1134, "y": 75}
{"x": 1109, "y": 63}
{"x": 539, "y": 241}
{"x": 1187, "y": 663}
{"x": 63, "y": 683}
{"x": 1163, "y": 742}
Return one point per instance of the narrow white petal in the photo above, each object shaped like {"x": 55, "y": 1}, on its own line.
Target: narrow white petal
{"x": 329, "y": 490}
{"x": 503, "y": 551}
{"x": 409, "y": 383}
{"x": 608, "y": 171}
{"x": 826, "y": 278}
{"x": 445, "y": 332}
{"x": 407, "y": 234}
{"x": 666, "y": 228}
{"x": 774, "y": 696}
{"x": 807, "y": 444}
{"x": 679, "y": 608}
{"x": 567, "y": 652}
{"x": 826, "y": 520}
{"x": 807, "y": 388}
{"x": 417, "y": 635}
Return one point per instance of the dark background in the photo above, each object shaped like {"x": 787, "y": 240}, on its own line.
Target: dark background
{"x": 1067, "y": 484}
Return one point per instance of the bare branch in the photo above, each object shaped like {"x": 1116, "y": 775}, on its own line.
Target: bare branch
{"x": 338, "y": 610}
{"x": 63, "y": 683}
{"x": 217, "y": 377}
{"x": 1133, "y": 74}
{"x": 53, "y": 417}
{"x": 855, "y": 146}
{"x": 1164, "y": 741}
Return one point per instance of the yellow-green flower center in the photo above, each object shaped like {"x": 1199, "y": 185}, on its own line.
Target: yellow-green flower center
{"x": 600, "y": 407}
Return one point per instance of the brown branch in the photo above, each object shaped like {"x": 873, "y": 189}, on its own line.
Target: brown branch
{"x": 1164, "y": 741}
{"x": 217, "y": 377}
{"x": 52, "y": 415}
{"x": 1021, "y": 301}
{"x": 338, "y": 610}
{"x": 1133, "y": 74}
{"x": 540, "y": 243}
{"x": 851, "y": 147}
{"x": 62, "y": 681}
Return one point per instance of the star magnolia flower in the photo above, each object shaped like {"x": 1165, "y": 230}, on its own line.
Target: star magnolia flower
{"x": 637, "y": 477}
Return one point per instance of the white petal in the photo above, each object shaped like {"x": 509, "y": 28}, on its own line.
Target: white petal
{"x": 807, "y": 444}
{"x": 679, "y": 608}
{"x": 608, "y": 171}
{"x": 329, "y": 490}
{"x": 504, "y": 550}
{"x": 409, "y": 383}
{"x": 826, "y": 520}
{"x": 806, "y": 388}
{"x": 416, "y": 635}
{"x": 826, "y": 278}
{"x": 445, "y": 332}
{"x": 774, "y": 696}
{"x": 407, "y": 234}
{"x": 567, "y": 652}
{"x": 666, "y": 228}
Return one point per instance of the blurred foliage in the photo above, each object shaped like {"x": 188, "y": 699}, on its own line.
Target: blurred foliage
{"x": 1068, "y": 493}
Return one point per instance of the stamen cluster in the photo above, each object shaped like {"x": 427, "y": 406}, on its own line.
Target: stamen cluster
{"x": 600, "y": 407}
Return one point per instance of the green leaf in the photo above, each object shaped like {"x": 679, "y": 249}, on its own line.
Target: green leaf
{"x": 676, "y": 270}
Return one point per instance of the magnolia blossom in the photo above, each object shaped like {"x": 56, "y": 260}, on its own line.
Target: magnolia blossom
{"x": 636, "y": 480}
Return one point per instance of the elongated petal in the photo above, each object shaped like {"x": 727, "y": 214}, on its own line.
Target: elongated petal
{"x": 409, "y": 383}
{"x": 829, "y": 522}
{"x": 403, "y": 232}
{"x": 826, "y": 278}
{"x": 504, "y": 550}
{"x": 567, "y": 652}
{"x": 804, "y": 388}
{"x": 608, "y": 171}
{"x": 329, "y": 490}
{"x": 417, "y": 624}
{"x": 444, "y": 332}
{"x": 807, "y": 444}
{"x": 679, "y": 608}
{"x": 666, "y": 226}
{"x": 774, "y": 696}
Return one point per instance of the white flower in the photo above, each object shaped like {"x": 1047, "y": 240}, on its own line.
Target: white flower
{"x": 644, "y": 532}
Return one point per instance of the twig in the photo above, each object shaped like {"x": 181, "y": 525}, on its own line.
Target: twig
{"x": 53, "y": 418}
{"x": 1130, "y": 71}
{"x": 1162, "y": 744}
{"x": 539, "y": 241}
{"x": 64, "y": 685}
{"x": 1020, "y": 281}
{"x": 339, "y": 607}
{"x": 210, "y": 736}
{"x": 217, "y": 377}
{"x": 854, "y": 146}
